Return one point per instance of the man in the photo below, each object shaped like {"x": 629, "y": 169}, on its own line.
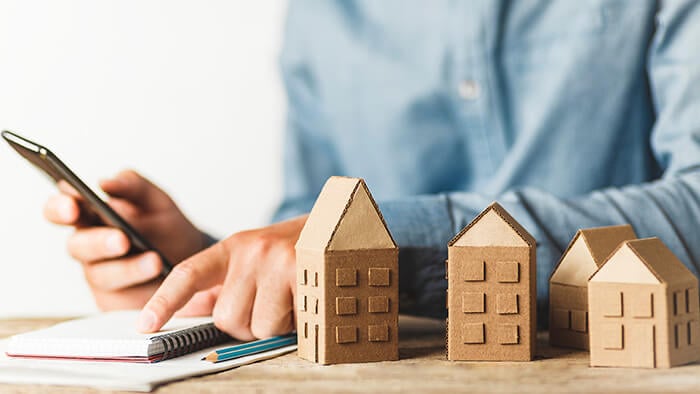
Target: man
{"x": 570, "y": 114}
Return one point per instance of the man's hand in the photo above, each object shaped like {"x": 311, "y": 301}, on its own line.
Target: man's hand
{"x": 257, "y": 270}
{"x": 118, "y": 281}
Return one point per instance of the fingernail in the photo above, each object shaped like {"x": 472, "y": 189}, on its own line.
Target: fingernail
{"x": 148, "y": 265}
{"x": 147, "y": 321}
{"x": 114, "y": 243}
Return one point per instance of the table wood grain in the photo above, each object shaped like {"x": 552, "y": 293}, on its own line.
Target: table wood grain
{"x": 422, "y": 368}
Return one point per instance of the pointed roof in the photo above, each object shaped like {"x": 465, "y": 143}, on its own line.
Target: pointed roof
{"x": 345, "y": 217}
{"x": 587, "y": 251}
{"x": 493, "y": 227}
{"x": 641, "y": 261}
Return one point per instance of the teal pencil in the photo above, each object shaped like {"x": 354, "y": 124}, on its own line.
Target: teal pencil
{"x": 256, "y": 347}
{"x": 253, "y": 343}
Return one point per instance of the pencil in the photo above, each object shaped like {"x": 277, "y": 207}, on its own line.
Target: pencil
{"x": 252, "y": 343}
{"x": 250, "y": 348}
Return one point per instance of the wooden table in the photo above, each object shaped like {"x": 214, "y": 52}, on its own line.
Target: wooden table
{"x": 423, "y": 368}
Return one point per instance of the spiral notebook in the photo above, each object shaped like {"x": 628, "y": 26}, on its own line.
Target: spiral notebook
{"x": 112, "y": 336}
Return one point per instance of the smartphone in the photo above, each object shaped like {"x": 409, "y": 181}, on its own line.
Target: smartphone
{"x": 50, "y": 164}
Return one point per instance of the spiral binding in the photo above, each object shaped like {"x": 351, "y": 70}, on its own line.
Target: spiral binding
{"x": 190, "y": 340}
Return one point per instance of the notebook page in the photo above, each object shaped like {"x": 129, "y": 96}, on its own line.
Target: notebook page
{"x": 111, "y": 334}
{"x": 118, "y": 375}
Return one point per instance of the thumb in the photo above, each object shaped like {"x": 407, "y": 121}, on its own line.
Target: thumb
{"x": 131, "y": 186}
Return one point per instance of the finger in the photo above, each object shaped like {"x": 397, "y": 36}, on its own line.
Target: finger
{"x": 201, "y": 271}
{"x": 62, "y": 209}
{"x": 97, "y": 243}
{"x": 81, "y": 215}
{"x": 272, "y": 311}
{"x": 201, "y": 304}
{"x": 123, "y": 273}
{"x": 131, "y": 186}
{"x": 233, "y": 309}
{"x": 133, "y": 297}
{"x": 125, "y": 208}
{"x": 66, "y": 188}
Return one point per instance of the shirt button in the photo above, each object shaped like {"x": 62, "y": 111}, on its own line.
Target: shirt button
{"x": 468, "y": 90}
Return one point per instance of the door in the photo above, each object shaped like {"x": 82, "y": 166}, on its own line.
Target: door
{"x": 640, "y": 343}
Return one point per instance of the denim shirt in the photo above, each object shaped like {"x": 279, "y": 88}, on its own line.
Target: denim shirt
{"x": 571, "y": 114}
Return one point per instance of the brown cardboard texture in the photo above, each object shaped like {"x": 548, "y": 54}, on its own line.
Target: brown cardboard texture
{"x": 491, "y": 297}
{"x": 568, "y": 284}
{"x": 347, "y": 279}
{"x": 643, "y": 308}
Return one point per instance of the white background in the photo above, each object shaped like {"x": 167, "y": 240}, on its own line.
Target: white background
{"x": 186, "y": 92}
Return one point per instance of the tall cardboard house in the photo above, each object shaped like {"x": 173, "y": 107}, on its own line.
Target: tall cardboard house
{"x": 643, "y": 308}
{"x": 568, "y": 284}
{"x": 491, "y": 297}
{"x": 347, "y": 279}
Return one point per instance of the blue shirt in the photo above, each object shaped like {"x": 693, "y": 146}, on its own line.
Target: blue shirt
{"x": 571, "y": 114}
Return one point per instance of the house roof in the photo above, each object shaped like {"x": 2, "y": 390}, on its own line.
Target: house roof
{"x": 587, "y": 251}
{"x": 634, "y": 261}
{"x": 494, "y": 226}
{"x": 345, "y": 217}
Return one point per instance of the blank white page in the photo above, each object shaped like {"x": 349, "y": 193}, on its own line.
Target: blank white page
{"x": 111, "y": 334}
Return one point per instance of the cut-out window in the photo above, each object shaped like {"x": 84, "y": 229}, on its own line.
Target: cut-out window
{"x": 303, "y": 277}
{"x": 692, "y": 300}
{"x": 508, "y": 271}
{"x": 473, "y": 271}
{"x": 378, "y": 304}
{"x": 316, "y": 306}
{"x": 508, "y": 334}
{"x": 345, "y": 305}
{"x": 302, "y": 304}
{"x": 680, "y": 335}
{"x": 473, "y": 303}
{"x": 693, "y": 332}
{"x": 345, "y": 334}
{"x": 345, "y": 277}
{"x": 612, "y": 306}
{"x": 473, "y": 333}
{"x": 679, "y": 306}
{"x": 379, "y": 277}
{"x": 507, "y": 304}
{"x": 643, "y": 305}
{"x": 579, "y": 321}
{"x": 378, "y": 333}
{"x": 306, "y": 329}
{"x": 561, "y": 318}
{"x": 612, "y": 335}
{"x": 316, "y": 279}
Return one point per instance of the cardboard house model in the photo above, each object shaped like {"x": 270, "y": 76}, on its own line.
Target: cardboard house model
{"x": 347, "y": 279}
{"x": 568, "y": 285}
{"x": 643, "y": 308}
{"x": 491, "y": 290}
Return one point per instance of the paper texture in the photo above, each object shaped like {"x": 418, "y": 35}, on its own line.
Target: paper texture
{"x": 491, "y": 290}
{"x": 106, "y": 335}
{"x": 568, "y": 284}
{"x": 644, "y": 309}
{"x": 118, "y": 375}
{"x": 347, "y": 270}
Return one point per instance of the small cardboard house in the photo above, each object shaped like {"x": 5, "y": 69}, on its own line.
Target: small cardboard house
{"x": 643, "y": 308}
{"x": 347, "y": 279}
{"x": 568, "y": 284}
{"x": 491, "y": 297}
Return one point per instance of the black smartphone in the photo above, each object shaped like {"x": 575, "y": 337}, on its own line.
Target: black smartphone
{"x": 50, "y": 164}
